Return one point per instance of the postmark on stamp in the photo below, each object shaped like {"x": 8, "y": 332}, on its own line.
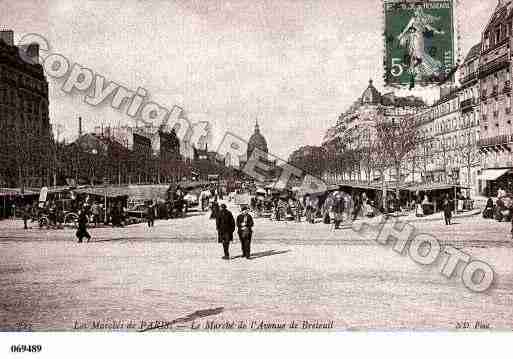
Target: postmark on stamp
{"x": 419, "y": 42}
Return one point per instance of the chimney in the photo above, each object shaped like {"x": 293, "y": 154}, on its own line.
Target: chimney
{"x": 79, "y": 126}
{"x": 7, "y": 36}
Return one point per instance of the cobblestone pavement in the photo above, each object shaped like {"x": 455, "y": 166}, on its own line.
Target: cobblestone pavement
{"x": 173, "y": 273}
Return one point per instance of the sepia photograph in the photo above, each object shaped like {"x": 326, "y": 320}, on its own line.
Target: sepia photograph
{"x": 254, "y": 166}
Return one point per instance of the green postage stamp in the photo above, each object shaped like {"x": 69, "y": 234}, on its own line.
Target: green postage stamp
{"x": 419, "y": 42}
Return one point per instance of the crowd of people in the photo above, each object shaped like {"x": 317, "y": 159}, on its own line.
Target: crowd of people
{"x": 334, "y": 207}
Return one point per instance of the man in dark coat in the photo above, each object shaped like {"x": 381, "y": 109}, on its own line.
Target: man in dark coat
{"x": 488, "y": 211}
{"x": 150, "y": 214}
{"x": 26, "y": 215}
{"x": 245, "y": 231}
{"x": 225, "y": 225}
{"x": 447, "y": 207}
{"x": 82, "y": 227}
{"x": 338, "y": 209}
{"x": 215, "y": 210}
{"x": 357, "y": 205}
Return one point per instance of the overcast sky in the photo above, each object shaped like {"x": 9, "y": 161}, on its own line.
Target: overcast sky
{"x": 293, "y": 64}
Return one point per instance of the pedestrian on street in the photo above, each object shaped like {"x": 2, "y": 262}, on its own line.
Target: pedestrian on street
{"x": 52, "y": 215}
{"x": 488, "y": 211}
{"x": 215, "y": 210}
{"x": 357, "y": 206}
{"x": 447, "y": 210}
{"x": 82, "y": 227}
{"x": 299, "y": 209}
{"x": 225, "y": 225}
{"x": 338, "y": 209}
{"x": 245, "y": 231}
{"x": 95, "y": 211}
{"x": 26, "y": 215}
{"x": 512, "y": 227}
{"x": 150, "y": 215}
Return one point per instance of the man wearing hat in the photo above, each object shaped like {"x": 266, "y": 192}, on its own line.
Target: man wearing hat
{"x": 225, "y": 225}
{"x": 338, "y": 207}
{"x": 245, "y": 231}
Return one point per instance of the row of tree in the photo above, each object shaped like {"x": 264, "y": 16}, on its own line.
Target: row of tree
{"x": 28, "y": 160}
{"x": 394, "y": 150}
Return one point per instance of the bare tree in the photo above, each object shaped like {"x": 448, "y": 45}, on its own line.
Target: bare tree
{"x": 397, "y": 140}
{"x": 468, "y": 154}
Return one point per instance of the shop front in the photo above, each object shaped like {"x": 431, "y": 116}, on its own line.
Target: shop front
{"x": 490, "y": 180}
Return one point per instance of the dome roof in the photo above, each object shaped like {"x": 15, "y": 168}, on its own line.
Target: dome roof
{"x": 256, "y": 141}
{"x": 371, "y": 95}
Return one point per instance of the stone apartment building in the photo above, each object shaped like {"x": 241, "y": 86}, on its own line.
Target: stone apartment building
{"x": 439, "y": 140}
{"x": 448, "y": 132}
{"x": 496, "y": 128}
{"x": 356, "y": 127}
{"x": 469, "y": 95}
{"x": 26, "y": 141}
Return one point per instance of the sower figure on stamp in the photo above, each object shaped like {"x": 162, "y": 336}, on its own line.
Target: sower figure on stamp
{"x": 225, "y": 225}
{"x": 245, "y": 231}
{"x": 82, "y": 226}
{"x": 413, "y": 39}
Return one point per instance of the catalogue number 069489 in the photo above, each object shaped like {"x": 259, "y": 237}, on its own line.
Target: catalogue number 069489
{"x": 22, "y": 348}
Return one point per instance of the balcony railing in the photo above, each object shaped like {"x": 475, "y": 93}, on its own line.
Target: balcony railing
{"x": 469, "y": 77}
{"x": 484, "y": 118}
{"x": 507, "y": 87}
{"x": 495, "y": 91}
{"x": 497, "y": 140}
{"x": 493, "y": 66}
{"x": 467, "y": 104}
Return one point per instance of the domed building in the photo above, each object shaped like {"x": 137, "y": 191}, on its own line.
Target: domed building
{"x": 360, "y": 119}
{"x": 257, "y": 140}
{"x": 371, "y": 96}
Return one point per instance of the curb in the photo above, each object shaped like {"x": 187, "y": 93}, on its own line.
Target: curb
{"x": 420, "y": 219}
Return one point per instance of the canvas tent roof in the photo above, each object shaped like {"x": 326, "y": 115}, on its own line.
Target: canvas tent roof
{"x": 435, "y": 187}
{"x": 5, "y": 192}
{"x": 111, "y": 192}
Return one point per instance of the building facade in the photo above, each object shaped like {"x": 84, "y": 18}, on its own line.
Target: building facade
{"x": 355, "y": 129}
{"x": 469, "y": 99}
{"x": 496, "y": 131}
{"x": 26, "y": 140}
{"x": 447, "y": 142}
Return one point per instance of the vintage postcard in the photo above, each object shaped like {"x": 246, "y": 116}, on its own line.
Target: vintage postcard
{"x": 255, "y": 166}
